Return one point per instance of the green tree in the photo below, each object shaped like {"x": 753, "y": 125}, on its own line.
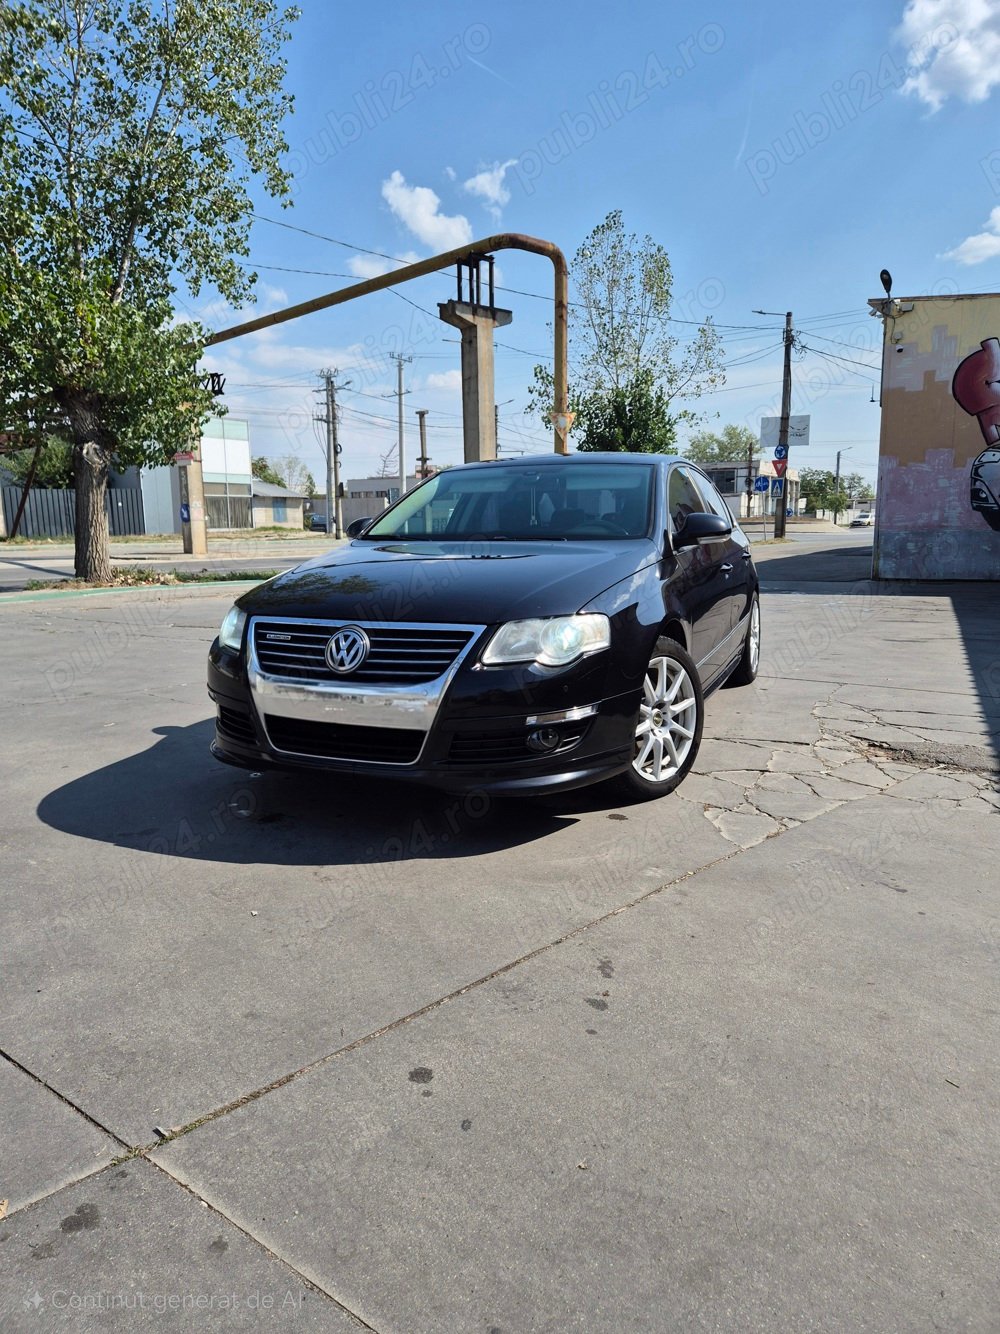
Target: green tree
{"x": 130, "y": 132}
{"x": 632, "y": 418}
{"x": 264, "y": 472}
{"x": 55, "y": 465}
{"x": 621, "y": 333}
{"x": 821, "y": 492}
{"x": 857, "y": 488}
{"x": 734, "y": 444}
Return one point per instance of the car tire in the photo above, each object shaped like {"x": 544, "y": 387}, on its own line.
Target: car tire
{"x": 668, "y": 725}
{"x": 746, "y": 669}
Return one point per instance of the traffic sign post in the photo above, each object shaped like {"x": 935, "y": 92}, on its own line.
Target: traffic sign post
{"x": 777, "y": 487}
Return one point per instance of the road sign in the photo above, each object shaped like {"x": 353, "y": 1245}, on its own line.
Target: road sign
{"x": 788, "y": 512}
{"x": 781, "y": 451}
{"x": 762, "y": 484}
{"x": 184, "y": 458}
{"x": 777, "y": 487}
{"x": 770, "y": 429}
{"x": 779, "y": 467}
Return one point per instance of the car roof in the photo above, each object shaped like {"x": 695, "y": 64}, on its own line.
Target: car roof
{"x": 577, "y": 459}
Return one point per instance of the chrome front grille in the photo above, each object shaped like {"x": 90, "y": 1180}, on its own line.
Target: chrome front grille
{"x": 400, "y": 655}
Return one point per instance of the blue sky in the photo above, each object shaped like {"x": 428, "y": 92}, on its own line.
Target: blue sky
{"x": 783, "y": 154}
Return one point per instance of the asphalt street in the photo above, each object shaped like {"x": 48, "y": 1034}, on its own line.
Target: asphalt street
{"x": 277, "y": 1049}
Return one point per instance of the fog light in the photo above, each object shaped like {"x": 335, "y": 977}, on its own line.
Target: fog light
{"x": 543, "y": 739}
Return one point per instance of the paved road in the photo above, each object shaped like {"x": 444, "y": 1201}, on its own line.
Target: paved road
{"x": 725, "y": 1061}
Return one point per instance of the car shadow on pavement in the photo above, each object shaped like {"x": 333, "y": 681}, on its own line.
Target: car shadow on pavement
{"x": 175, "y": 800}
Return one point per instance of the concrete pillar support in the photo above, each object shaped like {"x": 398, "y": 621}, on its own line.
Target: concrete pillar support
{"x": 194, "y": 530}
{"x": 476, "y": 324}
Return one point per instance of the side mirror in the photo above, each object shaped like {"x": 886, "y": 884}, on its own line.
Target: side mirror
{"x": 700, "y": 529}
{"x": 358, "y": 527}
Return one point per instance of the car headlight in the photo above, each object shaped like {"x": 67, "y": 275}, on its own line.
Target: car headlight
{"x": 231, "y": 630}
{"x": 553, "y": 643}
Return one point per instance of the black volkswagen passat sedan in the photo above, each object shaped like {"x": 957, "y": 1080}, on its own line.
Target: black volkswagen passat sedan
{"x": 515, "y": 626}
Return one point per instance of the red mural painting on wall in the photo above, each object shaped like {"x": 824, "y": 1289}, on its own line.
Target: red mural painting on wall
{"x": 976, "y": 389}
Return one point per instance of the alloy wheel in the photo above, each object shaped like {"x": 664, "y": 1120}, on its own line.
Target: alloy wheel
{"x": 668, "y": 716}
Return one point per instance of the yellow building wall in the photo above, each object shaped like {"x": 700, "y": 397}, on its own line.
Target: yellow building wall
{"x": 938, "y": 506}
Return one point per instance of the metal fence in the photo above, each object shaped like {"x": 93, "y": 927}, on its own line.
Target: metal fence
{"x": 52, "y": 513}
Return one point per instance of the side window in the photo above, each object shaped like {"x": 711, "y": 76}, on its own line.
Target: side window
{"x": 714, "y": 502}
{"x": 683, "y": 497}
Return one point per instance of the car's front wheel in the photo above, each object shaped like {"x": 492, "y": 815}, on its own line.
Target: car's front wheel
{"x": 668, "y": 725}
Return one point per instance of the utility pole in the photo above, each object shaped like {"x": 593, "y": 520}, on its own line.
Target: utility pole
{"x": 334, "y": 507}
{"x": 836, "y": 485}
{"x": 786, "y": 408}
{"x": 399, "y": 359}
{"x": 750, "y": 478}
{"x": 422, "y": 417}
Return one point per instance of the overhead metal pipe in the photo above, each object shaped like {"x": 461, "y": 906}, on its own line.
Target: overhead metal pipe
{"x": 503, "y": 241}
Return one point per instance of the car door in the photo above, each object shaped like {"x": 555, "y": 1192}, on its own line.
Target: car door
{"x": 704, "y": 581}
{"x": 737, "y": 554}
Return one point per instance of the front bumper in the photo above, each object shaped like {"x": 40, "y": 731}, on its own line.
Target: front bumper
{"x": 482, "y": 732}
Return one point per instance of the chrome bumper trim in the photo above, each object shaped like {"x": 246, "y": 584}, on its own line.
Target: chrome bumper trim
{"x": 562, "y": 716}
{"x": 414, "y": 708}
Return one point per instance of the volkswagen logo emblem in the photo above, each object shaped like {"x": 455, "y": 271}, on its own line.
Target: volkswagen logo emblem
{"x": 347, "y": 649}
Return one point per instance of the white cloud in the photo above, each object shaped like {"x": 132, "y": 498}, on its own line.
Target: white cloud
{"x": 449, "y": 380}
{"x": 489, "y": 187}
{"x": 272, "y": 297}
{"x": 953, "y": 49}
{"x": 371, "y": 266}
{"x": 982, "y": 246}
{"x": 451, "y": 173}
{"x": 418, "y": 208}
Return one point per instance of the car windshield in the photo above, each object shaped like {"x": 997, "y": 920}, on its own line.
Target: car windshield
{"x": 525, "y": 503}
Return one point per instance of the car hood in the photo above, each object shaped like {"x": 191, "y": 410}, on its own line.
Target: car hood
{"x": 478, "y": 583}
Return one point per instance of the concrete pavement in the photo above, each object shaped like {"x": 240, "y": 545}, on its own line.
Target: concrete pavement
{"x": 723, "y": 1061}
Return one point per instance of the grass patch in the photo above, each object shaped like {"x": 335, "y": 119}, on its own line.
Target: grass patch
{"x": 138, "y": 576}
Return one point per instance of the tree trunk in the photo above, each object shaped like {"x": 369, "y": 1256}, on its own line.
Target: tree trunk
{"x": 91, "y": 464}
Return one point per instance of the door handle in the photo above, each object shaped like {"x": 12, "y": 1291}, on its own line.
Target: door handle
{"x": 726, "y": 569}
{"x": 745, "y": 555}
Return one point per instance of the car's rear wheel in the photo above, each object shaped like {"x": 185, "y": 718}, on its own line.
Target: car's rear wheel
{"x": 746, "y": 669}
{"x": 668, "y": 725}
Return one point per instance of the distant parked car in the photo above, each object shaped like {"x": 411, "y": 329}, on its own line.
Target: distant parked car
{"x": 317, "y": 523}
{"x": 515, "y": 626}
{"x": 863, "y": 520}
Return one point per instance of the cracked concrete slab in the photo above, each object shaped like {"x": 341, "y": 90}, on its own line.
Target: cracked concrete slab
{"x": 930, "y": 786}
{"x": 784, "y": 1077}
{"x": 45, "y": 1143}
{"x": 744, "y": 828}
{"x": 787, "y": 797}
{"x": 130, "y": 1249}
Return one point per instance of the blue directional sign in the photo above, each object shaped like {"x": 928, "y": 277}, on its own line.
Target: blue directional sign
{"x": 185, "y": 513}
{"x": 761, "y": 484}
{"x": 777, "y": 486}
{"x": 781, "y": 451}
